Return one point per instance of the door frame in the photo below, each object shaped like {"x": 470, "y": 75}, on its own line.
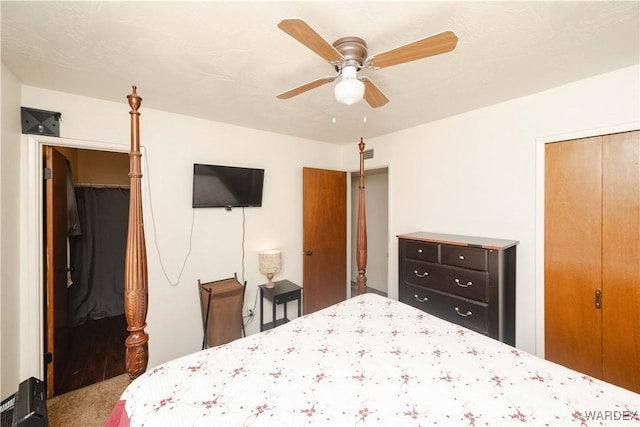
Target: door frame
{"x": 32, "y": 258}
{"x": 540, "y": 144}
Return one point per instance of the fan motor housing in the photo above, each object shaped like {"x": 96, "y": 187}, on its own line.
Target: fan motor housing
{"x": 352, "y": 48}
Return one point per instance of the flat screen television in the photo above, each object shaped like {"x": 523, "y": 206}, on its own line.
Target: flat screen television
{"x": 216, "y": 186}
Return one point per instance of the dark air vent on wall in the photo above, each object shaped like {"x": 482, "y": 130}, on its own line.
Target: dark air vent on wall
{"x": 40, "y": 122}
{"x": 368, "y": 154}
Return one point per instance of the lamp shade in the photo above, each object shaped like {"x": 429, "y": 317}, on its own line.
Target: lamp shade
{"x": 270, "y": 261}
{"x": 349, "y": 90}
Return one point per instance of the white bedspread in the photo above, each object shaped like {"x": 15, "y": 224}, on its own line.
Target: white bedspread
{"x": 372, "y": 361}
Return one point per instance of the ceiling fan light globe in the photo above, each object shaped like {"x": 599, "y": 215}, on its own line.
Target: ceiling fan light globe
{"x": 348, "y": 91}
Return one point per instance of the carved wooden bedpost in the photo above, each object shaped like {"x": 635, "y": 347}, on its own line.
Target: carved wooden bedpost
{"x": 361, "y": 233}
{"x": 135, "y": 272}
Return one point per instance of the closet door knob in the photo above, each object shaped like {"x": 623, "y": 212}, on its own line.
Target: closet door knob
{"x": 308, "y": 253}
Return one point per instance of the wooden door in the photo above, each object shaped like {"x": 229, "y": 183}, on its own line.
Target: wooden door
{"x": 56, "y": 264}
{"x": 621, "y": 259}
{"x": 324, "y": 238}
{"x": 572, "y": 254}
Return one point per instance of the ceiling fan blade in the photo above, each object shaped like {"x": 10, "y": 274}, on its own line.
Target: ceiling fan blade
{"x": 423, "y": 48}
{"x": 301, "y": 31}
{"x": 305, "y": 87}
{"x": 372, "y": 94}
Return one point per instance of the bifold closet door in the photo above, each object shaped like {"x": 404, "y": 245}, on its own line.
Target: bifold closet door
{"x": 621, "y": 259}
{"x": 572, "y": 254}
{"x": 592, "y": 256}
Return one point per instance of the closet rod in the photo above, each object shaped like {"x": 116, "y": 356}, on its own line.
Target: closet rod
{"x": 123, "y": 186}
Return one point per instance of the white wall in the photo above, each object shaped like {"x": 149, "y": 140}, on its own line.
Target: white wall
{"x": 476, "y": 173}
{"x": 472, "y": 174}
{"x": 171, "y": 144}
{"x": 9, "y": 237}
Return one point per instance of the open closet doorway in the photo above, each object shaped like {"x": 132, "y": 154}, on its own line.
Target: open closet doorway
{"x": 85, "y": 222}
{"x": 377, "y": 201}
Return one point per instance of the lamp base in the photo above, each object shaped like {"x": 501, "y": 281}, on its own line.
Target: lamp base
{"x": 270, "y": 284}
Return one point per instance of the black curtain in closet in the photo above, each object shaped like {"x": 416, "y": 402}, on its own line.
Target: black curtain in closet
{"x": 98, "y": 254}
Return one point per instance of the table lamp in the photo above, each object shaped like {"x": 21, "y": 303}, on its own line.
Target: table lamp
{"x": 270, "y": 264}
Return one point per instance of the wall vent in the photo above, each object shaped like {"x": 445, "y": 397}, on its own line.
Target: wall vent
{"x": 40, "y": 122}
{"x": 368, "y": 154}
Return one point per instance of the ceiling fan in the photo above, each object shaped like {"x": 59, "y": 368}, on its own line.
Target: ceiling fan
{"x": 348, "y": 55}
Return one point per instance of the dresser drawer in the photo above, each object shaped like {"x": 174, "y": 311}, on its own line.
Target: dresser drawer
{"x": 289, "y": 296}
{"x": 463, "y": 312}
{"x": 466, "y": 283}
{"x": 464, "y": 256}
{"x": 421, "y": 251}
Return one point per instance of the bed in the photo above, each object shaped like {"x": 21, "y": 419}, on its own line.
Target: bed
{"x": 368, "y": 360}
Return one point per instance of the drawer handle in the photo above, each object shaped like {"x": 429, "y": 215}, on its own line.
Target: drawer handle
{"x": 426, "y": 273}
{"x": 460, "y": 256}
{"x": 467, "y": 314}
{"x": 425, "y": 299}
{"x": 463, "y": 285}
{"x": 419, "y": 251}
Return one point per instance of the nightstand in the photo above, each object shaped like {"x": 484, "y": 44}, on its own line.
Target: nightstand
{"x": 283, "y": 292}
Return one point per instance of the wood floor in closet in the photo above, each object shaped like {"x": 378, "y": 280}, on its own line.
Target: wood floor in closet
{"x": 97, "y": 353}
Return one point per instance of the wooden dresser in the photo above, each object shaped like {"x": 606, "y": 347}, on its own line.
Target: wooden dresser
{"x": 470, "y": 281}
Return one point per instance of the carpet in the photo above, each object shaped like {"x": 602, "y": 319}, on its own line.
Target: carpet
{"x": 88, "y": 406}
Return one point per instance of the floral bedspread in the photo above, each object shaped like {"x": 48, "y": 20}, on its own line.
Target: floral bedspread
{"x": 372, "y": 361}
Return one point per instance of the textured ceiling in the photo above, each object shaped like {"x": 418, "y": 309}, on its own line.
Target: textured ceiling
{"x": 227, "y": 61}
